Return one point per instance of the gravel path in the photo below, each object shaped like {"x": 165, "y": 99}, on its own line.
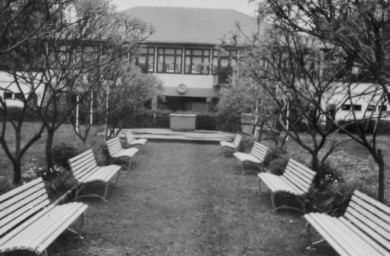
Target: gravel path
{"x": 186, "y": 199}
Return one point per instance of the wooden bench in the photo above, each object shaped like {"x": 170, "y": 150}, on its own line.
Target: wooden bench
{"x": 29, "y": 222}
{"x": 227, "y": 147}
{"x": 363, "y": 230}
{"x": 86, "y": 170}
{"x": 133, "y": 142}
{"x": 256, "y": 156}
{"x": 116, "y": 151}
{"x": 296, "y": 180}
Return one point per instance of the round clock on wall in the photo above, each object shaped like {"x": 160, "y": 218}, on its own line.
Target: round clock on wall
{"x": 181, "y": 88}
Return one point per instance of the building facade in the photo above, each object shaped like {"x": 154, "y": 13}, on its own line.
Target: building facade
{"x": 185, "y": 52}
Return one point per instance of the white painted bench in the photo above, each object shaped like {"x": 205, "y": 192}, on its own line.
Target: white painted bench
{"x": 231, "y": 147}
{"x": 133, "y": 142}
{"x": 256, "y": 156}
{"x": 86, "y": 170}
{"x": 363, "y": 230}
{"x": 29, "y": 222}
{"x": 296, "y": 180}
{"x": 117, "y": 152}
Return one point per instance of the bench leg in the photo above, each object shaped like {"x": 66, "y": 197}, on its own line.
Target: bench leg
{"x": 309, "y": 234}
{"x": 273, "y": 201}
{"x": 260, "y": 188}
{"x": 105, "y": 191}
{"x": 80, "y": 226}
{"x": 300, "y": 210}
{"x": 92, "y": 195}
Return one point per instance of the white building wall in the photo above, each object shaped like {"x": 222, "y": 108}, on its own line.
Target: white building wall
{"x": 7, "y": 83}
{"x": 362, "y": 96}
{"x": 194, "y": 85}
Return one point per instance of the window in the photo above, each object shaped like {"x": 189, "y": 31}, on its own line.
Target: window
{"x": 7, "y": 95}
{"x": 169, "y": 60}
{"x": 19, "y": 96}
{"x": 371, "y": 108}
{"x": 223, "y": 64}
{"x": 197, "y": 61}
{"x": 353, "y": 107}
{"x": 146, "y": 59}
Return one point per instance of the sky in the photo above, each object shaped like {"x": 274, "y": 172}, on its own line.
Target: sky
{"x": 239, "y": 5}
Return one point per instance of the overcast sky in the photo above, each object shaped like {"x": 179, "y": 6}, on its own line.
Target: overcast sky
{"x": 239, "y": 5}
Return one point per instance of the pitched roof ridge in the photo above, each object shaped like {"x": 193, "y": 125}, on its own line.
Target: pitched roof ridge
{"x": 188, "y": 8}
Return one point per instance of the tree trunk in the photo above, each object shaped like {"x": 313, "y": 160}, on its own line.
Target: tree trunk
{"x": 381, "y": 175}
{"x": 17, "y": 172}
{"x": 49, "y": 151}
{"x": 314, "y": 167}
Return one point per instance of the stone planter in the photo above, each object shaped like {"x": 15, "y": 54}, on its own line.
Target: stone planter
{"x": 182, "y": 121}
{"x": 247, "y": 123}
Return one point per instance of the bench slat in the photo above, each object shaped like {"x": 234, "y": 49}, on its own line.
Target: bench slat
{"x": 333, "y": 236}
{"x": 339, "y": 236}
{"x": 368, "y": 212}
{"x": 375, "y": 231}
{"x": 19, "y": 189}
{"x": 365, "y": 237}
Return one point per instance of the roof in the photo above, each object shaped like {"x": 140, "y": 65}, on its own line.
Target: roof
{"x": 192, "y": 25}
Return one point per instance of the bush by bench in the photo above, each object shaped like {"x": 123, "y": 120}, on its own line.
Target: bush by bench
{"x": 28, "y": 221}
{"x": 296, "y": 180}
{"x": 363, "y": 230}
{"x": 85, "y": 170}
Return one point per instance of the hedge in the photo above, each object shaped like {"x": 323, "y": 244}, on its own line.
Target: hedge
{"x": 367, "y": 126}
{"x": 160, "y": 119}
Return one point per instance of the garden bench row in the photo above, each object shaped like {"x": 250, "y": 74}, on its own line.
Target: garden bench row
{"x": 296, "y": 180}
{"x": 363, "y": 230}
{"x": 29, "y": 221}
{"x": 86, "y": 170}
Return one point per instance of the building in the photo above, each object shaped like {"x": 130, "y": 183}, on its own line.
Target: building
{"x": 185, "y": 52}
{"x": 12, "y": 90}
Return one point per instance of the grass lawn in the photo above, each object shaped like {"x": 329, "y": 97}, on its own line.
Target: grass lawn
{"x": 188, "y": 199}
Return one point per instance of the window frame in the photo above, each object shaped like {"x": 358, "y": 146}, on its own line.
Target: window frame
{"x": 148, "y": 54}
{"x": 191, "y": 56}
{"x": 174, "y": 55}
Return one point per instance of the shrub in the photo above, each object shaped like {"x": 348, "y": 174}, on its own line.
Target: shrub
{"x": 14, "y": 113}
{"x": 274, "y": 153}
{"x": 246, "y": 143}
{"x": 229, "y": 122}
{"x": 332, "y": 199}
{"x": 5, "y": 185}
{"x": 62, "y": 152}
{"x": 141, "y": 119}
{"x": 367, "y": 126}
{"x": 101, "y": 153}
{"x": 277, "y": 166}
{"x": 206, "y": 122}
{"x": 60, "y": 182}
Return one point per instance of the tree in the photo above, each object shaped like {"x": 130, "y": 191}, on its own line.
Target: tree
{"x": 76, "y": 50}
{"x": 356, "y": 33}
{"x": 360, "y": 28}
{"x": 127, "y": 90}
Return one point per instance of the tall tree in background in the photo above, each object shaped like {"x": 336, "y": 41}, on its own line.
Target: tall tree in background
{"x": 360, "y": 28}
{"x": 126, "y": 94}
